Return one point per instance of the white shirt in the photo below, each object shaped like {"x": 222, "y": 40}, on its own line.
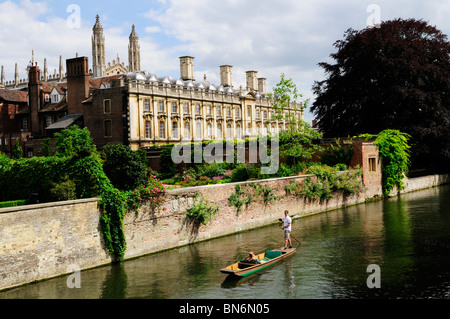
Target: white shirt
{"x": 287, "y": 221}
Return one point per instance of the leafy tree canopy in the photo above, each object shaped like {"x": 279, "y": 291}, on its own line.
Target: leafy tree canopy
{"x": 296, "y": 141}
{"x": 393, "y": 77}
{"x": 74, "y": 141}
{"x": 126, "y": 169}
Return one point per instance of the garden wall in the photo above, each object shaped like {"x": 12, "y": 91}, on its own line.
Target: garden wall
{"x": 46, "y": 240}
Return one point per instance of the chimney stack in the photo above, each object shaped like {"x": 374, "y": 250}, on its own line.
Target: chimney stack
{"x": 262, "y": 84}
{"x": 34, "y": 86}
{"x": 252, "y": 80}
{"x": 226, "y": 75}
{"x": 77, "y": 83}
{"x": 187, "y": 68}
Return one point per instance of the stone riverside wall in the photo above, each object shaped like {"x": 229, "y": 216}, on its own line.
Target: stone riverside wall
{"x": 47, "y": 240}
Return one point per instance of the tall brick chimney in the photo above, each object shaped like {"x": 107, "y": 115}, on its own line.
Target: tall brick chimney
{"x": 34, "y": 86}
{"x": 77, "y": 83}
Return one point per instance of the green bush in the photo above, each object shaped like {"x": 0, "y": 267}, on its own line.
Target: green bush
{"x": 201, "y": 212}
{"x": 125, "y": 168}
{"x": 65, "y": 190}
{"x": 243, "y": 173}
{"x": 13, "y": 203}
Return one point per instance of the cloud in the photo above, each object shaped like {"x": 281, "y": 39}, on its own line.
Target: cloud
{"x": 272, "y": 37}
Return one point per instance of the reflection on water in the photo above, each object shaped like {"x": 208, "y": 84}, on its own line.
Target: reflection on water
{"x": 408, "y": 237}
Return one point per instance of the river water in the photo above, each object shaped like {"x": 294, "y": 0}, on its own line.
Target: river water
{"x": 407, "y": 237}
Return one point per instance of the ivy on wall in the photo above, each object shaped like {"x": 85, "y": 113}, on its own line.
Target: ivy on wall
{"x": 395, "y": 152}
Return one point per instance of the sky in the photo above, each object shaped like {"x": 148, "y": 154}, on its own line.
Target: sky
{"x": 268, "y": 36}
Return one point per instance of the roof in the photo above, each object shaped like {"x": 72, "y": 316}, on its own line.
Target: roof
{"x": 14, "y": 95}
{"x": 64, "y": 122}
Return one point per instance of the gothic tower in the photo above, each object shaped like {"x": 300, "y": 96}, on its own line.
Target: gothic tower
{"x": 134, "y": 52}
{"x": 98, "y": 50}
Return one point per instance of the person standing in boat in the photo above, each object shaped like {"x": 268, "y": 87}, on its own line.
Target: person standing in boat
{"x": 287, "y": 229}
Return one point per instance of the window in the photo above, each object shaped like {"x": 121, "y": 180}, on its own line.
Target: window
{"x": 238, "y": 112}
{"x": 146, "y": 105}
{"x": 161, "y": 106}
{"x": 265, "y": 115}
{"x": 238, "y": 131}
{"x": 197, "y": 109}
{"x": 208, "y": 110}
{"x": 107, "y": 106}
{"x": 249, "y": 111}
{"x": 209, "y": 131}
{"x": 229, "y": 131}
{"x": 187, "y": 131}
{"x": 174, "y": 129}
{"x": 228, "y": 111}
{"x": 219, "y": 110}
{"x": 199, "y": 129}
{"x": 186, "y": 108}
{"x": 372, "y": 164}
{"x": 55, "y": 98}
{"x": 47, "y": 98}
{"x": 108, "y": 128}
{"x": 257, "y": 114}
{"x": 147, "y": 129}
{"x": 30, "y": 152}
{"x": 162, "y": 131}
{"x": 174, "y": 107}
{"x": 219, "y": 131}
{"x": 258, "y": 130}
{"x": 48, "y": 121}
{"x": 25, "y": 124}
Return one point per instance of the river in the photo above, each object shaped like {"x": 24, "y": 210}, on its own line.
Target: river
{"x": 407, "y": 238}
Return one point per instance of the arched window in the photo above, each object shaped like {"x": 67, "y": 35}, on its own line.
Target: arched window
{"x": 209, "y": 131}
{"x": 147, "y": 129}
{"x": 238, "y": 132}
{"x": 198, "y": 129}
{"x": 219, "y": 131}
{"x": 162, "y": 130}
{"x": 174, "y": 129}
{"x": 229, "y": 131}
{"x": 187, "y": 131}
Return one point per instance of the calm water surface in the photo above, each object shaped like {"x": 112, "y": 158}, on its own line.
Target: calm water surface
{"x": 407, "y": 237}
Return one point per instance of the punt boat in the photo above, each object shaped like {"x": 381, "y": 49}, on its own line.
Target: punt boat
{"x": 267, "y": 258}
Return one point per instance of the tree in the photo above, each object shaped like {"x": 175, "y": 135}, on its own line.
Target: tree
{"x": 296, "y": 141}
{"x": 396, "y": 76}
{"x": 125, "y": 168}
{"x": 17, "y": 151}
{"x": 45, "y": 150}
{"x": 74, "y": 141}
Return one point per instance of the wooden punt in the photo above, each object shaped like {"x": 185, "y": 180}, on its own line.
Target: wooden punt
{"x": 267, "y": 258}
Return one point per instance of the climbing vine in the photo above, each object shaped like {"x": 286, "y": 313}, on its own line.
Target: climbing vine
{"x": 395, "y": 151}
{"x": 328, "y": 182}
{"x": 249, "y": 192}
{"x": 201, "y": 212}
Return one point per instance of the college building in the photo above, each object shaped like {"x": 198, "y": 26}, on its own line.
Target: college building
{"x": 123, "y": 104}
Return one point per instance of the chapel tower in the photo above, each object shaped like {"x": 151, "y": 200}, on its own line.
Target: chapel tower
{"x": 134, "y": 52}
{"x": 98, "y": 50}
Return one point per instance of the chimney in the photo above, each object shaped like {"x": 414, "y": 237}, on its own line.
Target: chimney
{"x": 252, "y": 81}
{"x": 262, "y": 85}
{"x": 34, "y": 86}
{"x": 226, "y": 75}
{"x": 45, "y": 71}
{"x": 77, "y": 83}
{"x": 3, "y": 82}
{"x": 187, "y": 68}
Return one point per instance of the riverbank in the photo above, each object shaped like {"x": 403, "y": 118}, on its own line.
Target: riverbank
{"x": 48, "y": 240}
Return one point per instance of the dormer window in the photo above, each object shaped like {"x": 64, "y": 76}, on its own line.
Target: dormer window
{"x": 46, "y": 98}
{"x": 55, "y": 96}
